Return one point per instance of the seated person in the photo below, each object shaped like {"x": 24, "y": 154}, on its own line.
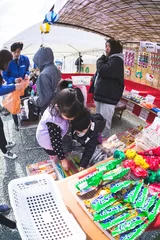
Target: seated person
{"x": 87, "y": 129}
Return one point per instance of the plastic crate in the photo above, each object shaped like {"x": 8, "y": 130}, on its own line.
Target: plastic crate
{"x": 40, "y": 212}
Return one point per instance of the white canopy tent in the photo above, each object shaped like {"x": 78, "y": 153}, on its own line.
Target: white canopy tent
{"x": 65, "y": 42}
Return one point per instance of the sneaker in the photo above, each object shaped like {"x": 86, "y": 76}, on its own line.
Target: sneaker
{"x": 4, "y": 208}
{"x": 16, "y": 128}
{"x": 10, "y": 144}
{"x": 10, "y": 155}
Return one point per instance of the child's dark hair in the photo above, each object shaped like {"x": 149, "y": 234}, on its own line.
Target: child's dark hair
{"x": 69, "y": 102}
{"x": 65, "y": 84}
{"x": 82, "y": 121}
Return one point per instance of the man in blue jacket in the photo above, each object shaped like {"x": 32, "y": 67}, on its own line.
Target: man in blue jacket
{"x": 18, "y": 70}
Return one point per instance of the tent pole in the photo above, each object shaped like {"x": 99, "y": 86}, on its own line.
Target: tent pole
{"x": 64, "y": 63}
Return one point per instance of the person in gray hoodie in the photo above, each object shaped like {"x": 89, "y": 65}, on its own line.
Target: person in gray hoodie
{"x": 109, "y": 82}
{"x": 48, "y": 79}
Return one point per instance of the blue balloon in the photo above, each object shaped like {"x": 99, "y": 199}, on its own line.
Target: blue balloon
{"x": 51, "y": 17}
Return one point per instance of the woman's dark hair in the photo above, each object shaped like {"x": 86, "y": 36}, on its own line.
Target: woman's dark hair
{"x": 69, "y": 102}
{"x": 5, "y": 58}
{"x": 116, "y": 46}
{"x": 81, "y": 121}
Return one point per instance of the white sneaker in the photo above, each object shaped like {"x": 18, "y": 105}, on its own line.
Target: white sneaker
{"x": 10, "y": 155}
{"x": 10, "y": 144}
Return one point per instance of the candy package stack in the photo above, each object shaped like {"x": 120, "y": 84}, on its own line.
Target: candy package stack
{"x": 124, "y": 209}
{"x": 41, "y": 168}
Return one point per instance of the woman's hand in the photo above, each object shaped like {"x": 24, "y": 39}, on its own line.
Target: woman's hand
{"x": 19, "y": 86}
{"x": 18, "y": 80}
{"x": 81, "y": 169}
{"x": 65, "y": 164}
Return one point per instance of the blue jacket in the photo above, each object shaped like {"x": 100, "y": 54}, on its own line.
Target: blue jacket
{"x": 17, "y": 70}
{"x": 6, "y": 89}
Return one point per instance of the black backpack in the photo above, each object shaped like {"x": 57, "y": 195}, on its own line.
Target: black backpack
{"x": 33, "y": 111}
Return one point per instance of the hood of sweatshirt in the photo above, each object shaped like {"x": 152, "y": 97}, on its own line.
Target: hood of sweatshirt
{"x": 43, "y": 58}
{"x": 120, "y": 55}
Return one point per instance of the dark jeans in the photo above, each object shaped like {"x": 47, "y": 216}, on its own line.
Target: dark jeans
{"x": 3, "y": 141}
{"x": 6, "y": 222}
{"x": 15, "y": 119}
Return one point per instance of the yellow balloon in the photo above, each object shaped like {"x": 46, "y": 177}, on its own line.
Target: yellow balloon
{"x": 45, "y": 28}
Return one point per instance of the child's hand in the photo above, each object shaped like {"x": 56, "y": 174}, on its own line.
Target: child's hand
{"x": 81, "y": 169}
{"x": 65, "y": 164}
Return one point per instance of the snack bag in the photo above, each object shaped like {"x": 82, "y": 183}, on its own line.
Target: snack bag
{"x": 141, "y": 200}
{"x": 102, "y": 202}
{"x": 114, "y": 220}
{"x": 132, "y": 195}
{"x": 118, "y": 186}
{"x": 115, "y": 174}
{"x": 133, "y": 234}
{"x": 129, "y": 224}
{"x": 92, "y": 180}
{"x": 110, "y": 211}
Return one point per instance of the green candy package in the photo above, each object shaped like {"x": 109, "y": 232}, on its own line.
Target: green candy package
{"x": 132, "y": 195}
{"x": 135, "y": 233}
{"x": 154, "y": 211}
{"x": 119, "y": 155}
{"x": 92, "y": 180}
{"x": 128, "y": 225}
{"x": 141, "y": 200}
{"x": 108, "y": 166}
{"x": 101, "y": 202}
{"x": 150, "y": 201}
{"x": 115, "y": 174}
{"x": 114, "y": 220}
{"x": 108, "y": 212}
{"x": 118, "y": 186}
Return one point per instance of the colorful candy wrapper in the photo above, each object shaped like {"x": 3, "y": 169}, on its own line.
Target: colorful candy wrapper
{"x": 92, "y": 180}
{"x": 108, "y": 212}
{"x": 114, "y": 220}
{"x": 133, "y": 234}
{"x": 102, "y": 191}
{"x": 140, "y": 201}
{"x": 130, "y": 153}
{"x": 152, "y": 152}
{"x": 102, "y": 202}
{"x": 139, "y": 172}
{"x": 115, "y": 174}
{"x": 150, "y": 201}
{"x": 129, "y": 164}
{"x": 119, "y": 155}
{"x": 132, "y": 195}
{"x": 118, "y": 186}
{"x": 154, "y": 211}
{"x": 108, "y": 166}
{"x": 129, "y": 224}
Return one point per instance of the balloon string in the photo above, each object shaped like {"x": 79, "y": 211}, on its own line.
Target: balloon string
{"x": 42, "y": 39}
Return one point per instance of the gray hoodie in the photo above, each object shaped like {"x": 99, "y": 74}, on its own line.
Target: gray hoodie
{"x": 48, "y": 78}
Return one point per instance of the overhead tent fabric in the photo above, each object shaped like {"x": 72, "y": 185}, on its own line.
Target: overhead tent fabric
{"x": 124, "y": 20}
{"x": 64, "y": 41}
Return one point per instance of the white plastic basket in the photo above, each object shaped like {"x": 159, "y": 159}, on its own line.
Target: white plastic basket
{"x": 40, "y": 212}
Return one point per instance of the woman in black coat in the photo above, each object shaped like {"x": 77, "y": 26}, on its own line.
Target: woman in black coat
{"x": 109, "y": 82}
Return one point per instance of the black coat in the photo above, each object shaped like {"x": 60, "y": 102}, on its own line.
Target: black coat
{"x": 110, "y": 82}
{"x": 91, "y": 139}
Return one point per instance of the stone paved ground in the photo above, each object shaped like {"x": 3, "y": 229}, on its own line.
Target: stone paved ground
{"x": 11, "y": 169}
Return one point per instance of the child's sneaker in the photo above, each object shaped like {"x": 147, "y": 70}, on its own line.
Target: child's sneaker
{"x": 10, "y": 155}
{"x": 10, "y": 144}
